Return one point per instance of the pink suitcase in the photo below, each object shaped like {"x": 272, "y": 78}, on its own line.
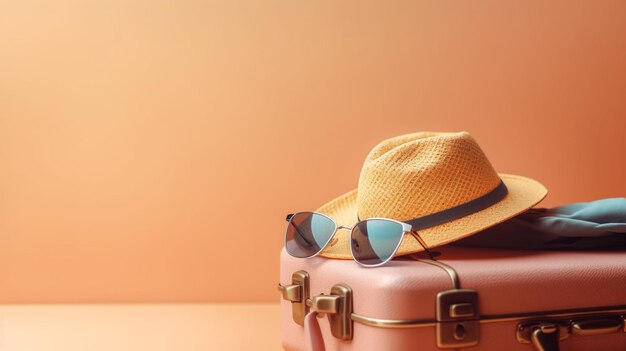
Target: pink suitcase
{"x": 474, "y": 299}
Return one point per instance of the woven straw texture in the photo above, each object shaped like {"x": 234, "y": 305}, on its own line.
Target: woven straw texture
{"x": 422, "y": 173}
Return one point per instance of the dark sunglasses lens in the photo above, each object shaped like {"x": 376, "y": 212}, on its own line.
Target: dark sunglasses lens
{"x": 308, "y": 233}
{"x": 374, "y": 241}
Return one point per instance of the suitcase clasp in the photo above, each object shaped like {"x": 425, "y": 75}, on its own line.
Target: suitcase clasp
{"x": 458, "y": 321}
{"x": 298, "y": 293}
{"x": 338, "y": 307}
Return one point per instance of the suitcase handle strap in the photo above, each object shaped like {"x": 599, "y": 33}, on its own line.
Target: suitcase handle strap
{"x": 312, "y": 333}
{"x": 546, "y": 335}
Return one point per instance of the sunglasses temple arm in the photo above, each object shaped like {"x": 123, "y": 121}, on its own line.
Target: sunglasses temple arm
{"x": 419, "y": 239}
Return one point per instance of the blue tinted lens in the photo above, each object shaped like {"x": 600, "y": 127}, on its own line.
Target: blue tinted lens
{"x": 308, "y": 233}
{"x": 374, "y": 241}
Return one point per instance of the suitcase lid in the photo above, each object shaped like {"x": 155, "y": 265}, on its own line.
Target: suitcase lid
{"x": 508, "y": 282}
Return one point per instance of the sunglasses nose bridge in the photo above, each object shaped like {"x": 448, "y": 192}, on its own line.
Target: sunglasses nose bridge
{"x": 344, "y": 227}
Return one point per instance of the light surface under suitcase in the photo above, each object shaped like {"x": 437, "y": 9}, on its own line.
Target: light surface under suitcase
{"x": 506, "y": 301}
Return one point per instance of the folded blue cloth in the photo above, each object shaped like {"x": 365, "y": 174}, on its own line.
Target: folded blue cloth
{"x": 593, "y": 225}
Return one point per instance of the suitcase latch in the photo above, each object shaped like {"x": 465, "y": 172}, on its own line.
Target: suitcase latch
{"x": 298, "y": 293}
{"x": 338, "y": 307}
{"x": 458, "y": 321}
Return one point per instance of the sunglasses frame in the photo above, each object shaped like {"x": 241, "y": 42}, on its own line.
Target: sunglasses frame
{"x": 406, "y": 229}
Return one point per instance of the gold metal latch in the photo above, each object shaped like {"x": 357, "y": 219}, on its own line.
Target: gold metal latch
{"x": 458, "y": 317}
{"x": 338, "y": 307}
{"x": 298, "y": 293}
{"x": 546, "y": 335}
{"x": 458, "y": 321}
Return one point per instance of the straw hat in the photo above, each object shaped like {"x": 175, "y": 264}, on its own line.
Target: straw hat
{"x": 441, "y": 181}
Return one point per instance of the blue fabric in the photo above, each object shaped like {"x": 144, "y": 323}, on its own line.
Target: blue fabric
{"x": 598, "y": 224}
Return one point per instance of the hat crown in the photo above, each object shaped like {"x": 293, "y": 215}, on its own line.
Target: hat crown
{"x": 417, "y": 174}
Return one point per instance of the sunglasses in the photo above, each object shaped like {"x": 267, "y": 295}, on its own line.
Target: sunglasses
{"x": 373, "y": 241}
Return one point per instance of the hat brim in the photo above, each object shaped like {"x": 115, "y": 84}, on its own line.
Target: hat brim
{"x": 523, "y": 193}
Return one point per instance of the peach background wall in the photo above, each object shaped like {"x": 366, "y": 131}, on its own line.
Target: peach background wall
{"x": 149, "y": 150}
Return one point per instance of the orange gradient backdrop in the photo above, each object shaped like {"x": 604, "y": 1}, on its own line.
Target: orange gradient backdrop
{"x": 149, "y": 150}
